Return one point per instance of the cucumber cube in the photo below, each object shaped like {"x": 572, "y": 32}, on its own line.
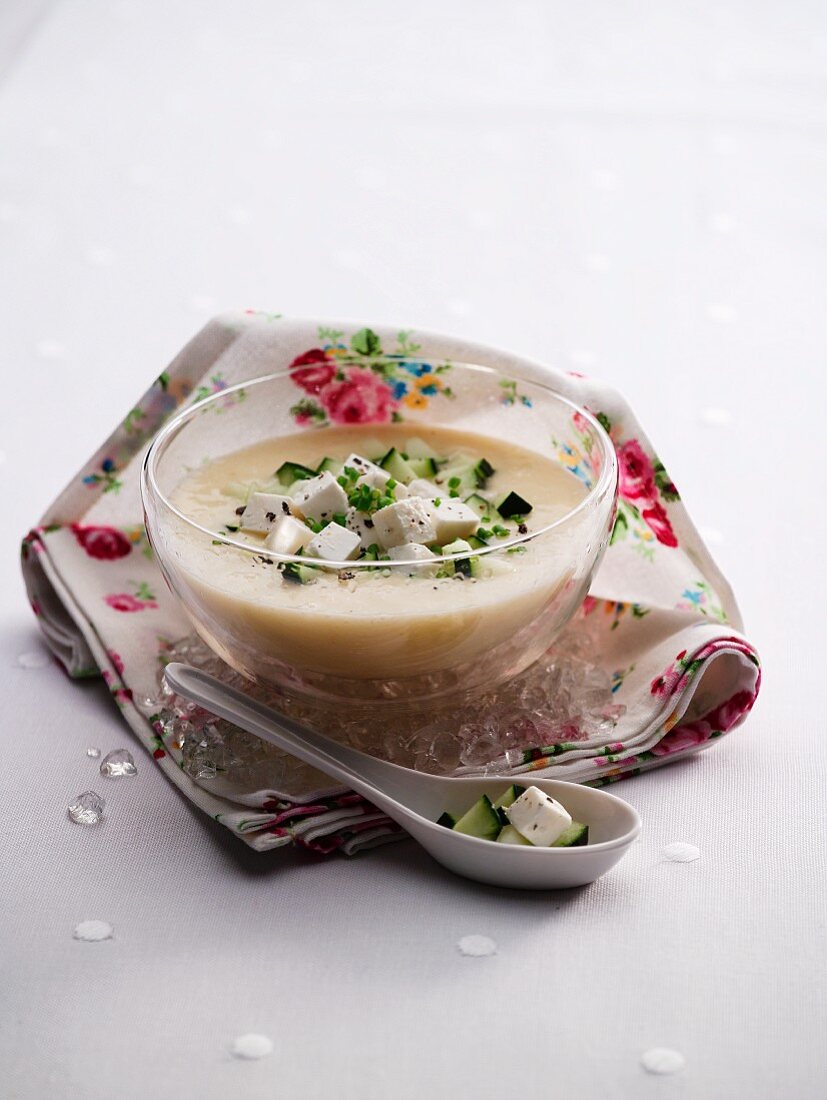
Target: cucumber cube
{"x": 482, "y": 820}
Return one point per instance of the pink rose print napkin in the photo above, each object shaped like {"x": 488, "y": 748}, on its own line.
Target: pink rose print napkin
{"x": 661, "y": 619}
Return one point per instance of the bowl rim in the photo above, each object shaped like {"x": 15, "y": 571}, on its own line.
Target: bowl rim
{"x": 607, "y": 479}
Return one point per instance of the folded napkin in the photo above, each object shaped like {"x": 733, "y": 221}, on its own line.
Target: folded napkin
{"x": 661, "y": 619}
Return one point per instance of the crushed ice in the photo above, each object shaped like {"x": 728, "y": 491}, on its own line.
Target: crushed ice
{"x": 118, "y": 763}
{"x": 87, "y": 808}
{"x": 564, "y": 697}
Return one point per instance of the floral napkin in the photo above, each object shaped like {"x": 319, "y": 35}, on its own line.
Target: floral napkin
{"x": 664, "y": 621}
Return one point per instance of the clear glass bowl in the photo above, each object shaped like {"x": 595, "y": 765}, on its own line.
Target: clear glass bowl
{"x": 365, "y": 642}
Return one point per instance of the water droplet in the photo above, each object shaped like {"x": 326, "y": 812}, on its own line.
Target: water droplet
{"x": 93, "y": 931}
{"x": 721, "y": 313}
{"x": 477, "y": 946}
{"x": 87, "y": 808}
{"x": 93, "y": 753}
{"x": 49, "y": 349}
{"x": 35, "y": 659}
{"x": 252, "y": 1046}
{"x": 597, "y": 262}
{"x": 118, "y": 763}
{"x": 680, "y": 852}
{"x": 662, "y": 1060}
{"x": 716, "y": 417}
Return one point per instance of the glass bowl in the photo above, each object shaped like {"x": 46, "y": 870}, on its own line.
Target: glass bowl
{"x": 383, "y": 635}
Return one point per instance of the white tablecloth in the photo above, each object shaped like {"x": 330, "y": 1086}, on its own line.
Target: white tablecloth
{"x": 631, "y": 191}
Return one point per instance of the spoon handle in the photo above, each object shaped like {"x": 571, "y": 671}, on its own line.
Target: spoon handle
{"x": 279, "y": 729}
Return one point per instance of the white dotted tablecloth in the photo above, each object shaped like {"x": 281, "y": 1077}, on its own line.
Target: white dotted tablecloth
{"x": 636, "y": 192}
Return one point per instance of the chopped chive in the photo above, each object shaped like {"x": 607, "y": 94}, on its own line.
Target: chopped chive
{"x": 340, "y": 518}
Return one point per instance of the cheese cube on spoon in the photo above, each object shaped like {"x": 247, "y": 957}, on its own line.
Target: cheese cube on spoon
{"x": 321, "y": 497}
{"x": 263, "y": 509}
{"x": 538, "y": 817}
{"x": 288, "y": 535}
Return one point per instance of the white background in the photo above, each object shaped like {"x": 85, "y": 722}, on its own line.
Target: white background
{"x": 634, "y": 190}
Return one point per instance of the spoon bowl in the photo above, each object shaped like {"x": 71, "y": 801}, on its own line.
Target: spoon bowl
{"x": 415, "y": 800}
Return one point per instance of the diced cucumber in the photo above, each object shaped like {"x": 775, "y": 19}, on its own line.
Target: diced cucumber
{"x": 418, "y": 448}
{"x": 476, "y": 543}
{"x": 423, "y": 467}
{"x": 575, "y": 836}
{"x": 478, "y": 503}
{"x": 334, "y": 465}
{"x": 397, "y": 467}
{"x": 289, "y": 472}
{"x": 482, "y": 820}
{"x": 371, "y": 553}
{"x": 513, "y": 504}
{"x": 458, "y": 546}
{"x": 509, "y": 835}
{"x": 509, "y": 796}
{"x": 482, "y": 471}
{"x": 447, "y": 820}
{"x": 468, "y": 567}
{"x": 296, "y": 573}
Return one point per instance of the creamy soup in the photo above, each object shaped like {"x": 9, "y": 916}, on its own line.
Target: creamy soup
{"x": 389, "y": 620}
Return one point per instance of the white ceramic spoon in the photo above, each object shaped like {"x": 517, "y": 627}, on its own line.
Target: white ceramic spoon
{"x": 416, "y": 800}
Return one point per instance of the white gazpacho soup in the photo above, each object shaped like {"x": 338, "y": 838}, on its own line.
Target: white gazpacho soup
{"x": 378, "y": 555}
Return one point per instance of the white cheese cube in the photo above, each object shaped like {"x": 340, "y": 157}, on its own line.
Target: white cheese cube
{"x": 405, "y": 521}
{"x": 365, "y": 466}
{"x": 363, "y": 525}
{"x": 263, "y": 509}
{"x": 452, "y": 519}
{"x": 414, "y": 552}
{"x": 421, "y": 487}
{"x": 334, "y": 543}
{"x": 538, "y": 817}
{"x": 321, "y": 497}
{"x": 288, "y": 535}
{"x": 373, "y": 476}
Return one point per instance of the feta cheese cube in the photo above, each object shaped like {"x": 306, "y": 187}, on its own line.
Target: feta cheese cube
{"x": 421, "y": 487}
{"x": 373, "y": 476}
{"x": 321, "y": 497}
{"x": 452, "y": 519}
{"x": 334, "y": 543}
{"x": 414, "y": 552}
{"x": 405, "y": 521}
{"x": 363, "y": 525}
{"x": 288, "y": 535}
{"x": 263, "y": 509}
{"x": 538, "y": 817}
